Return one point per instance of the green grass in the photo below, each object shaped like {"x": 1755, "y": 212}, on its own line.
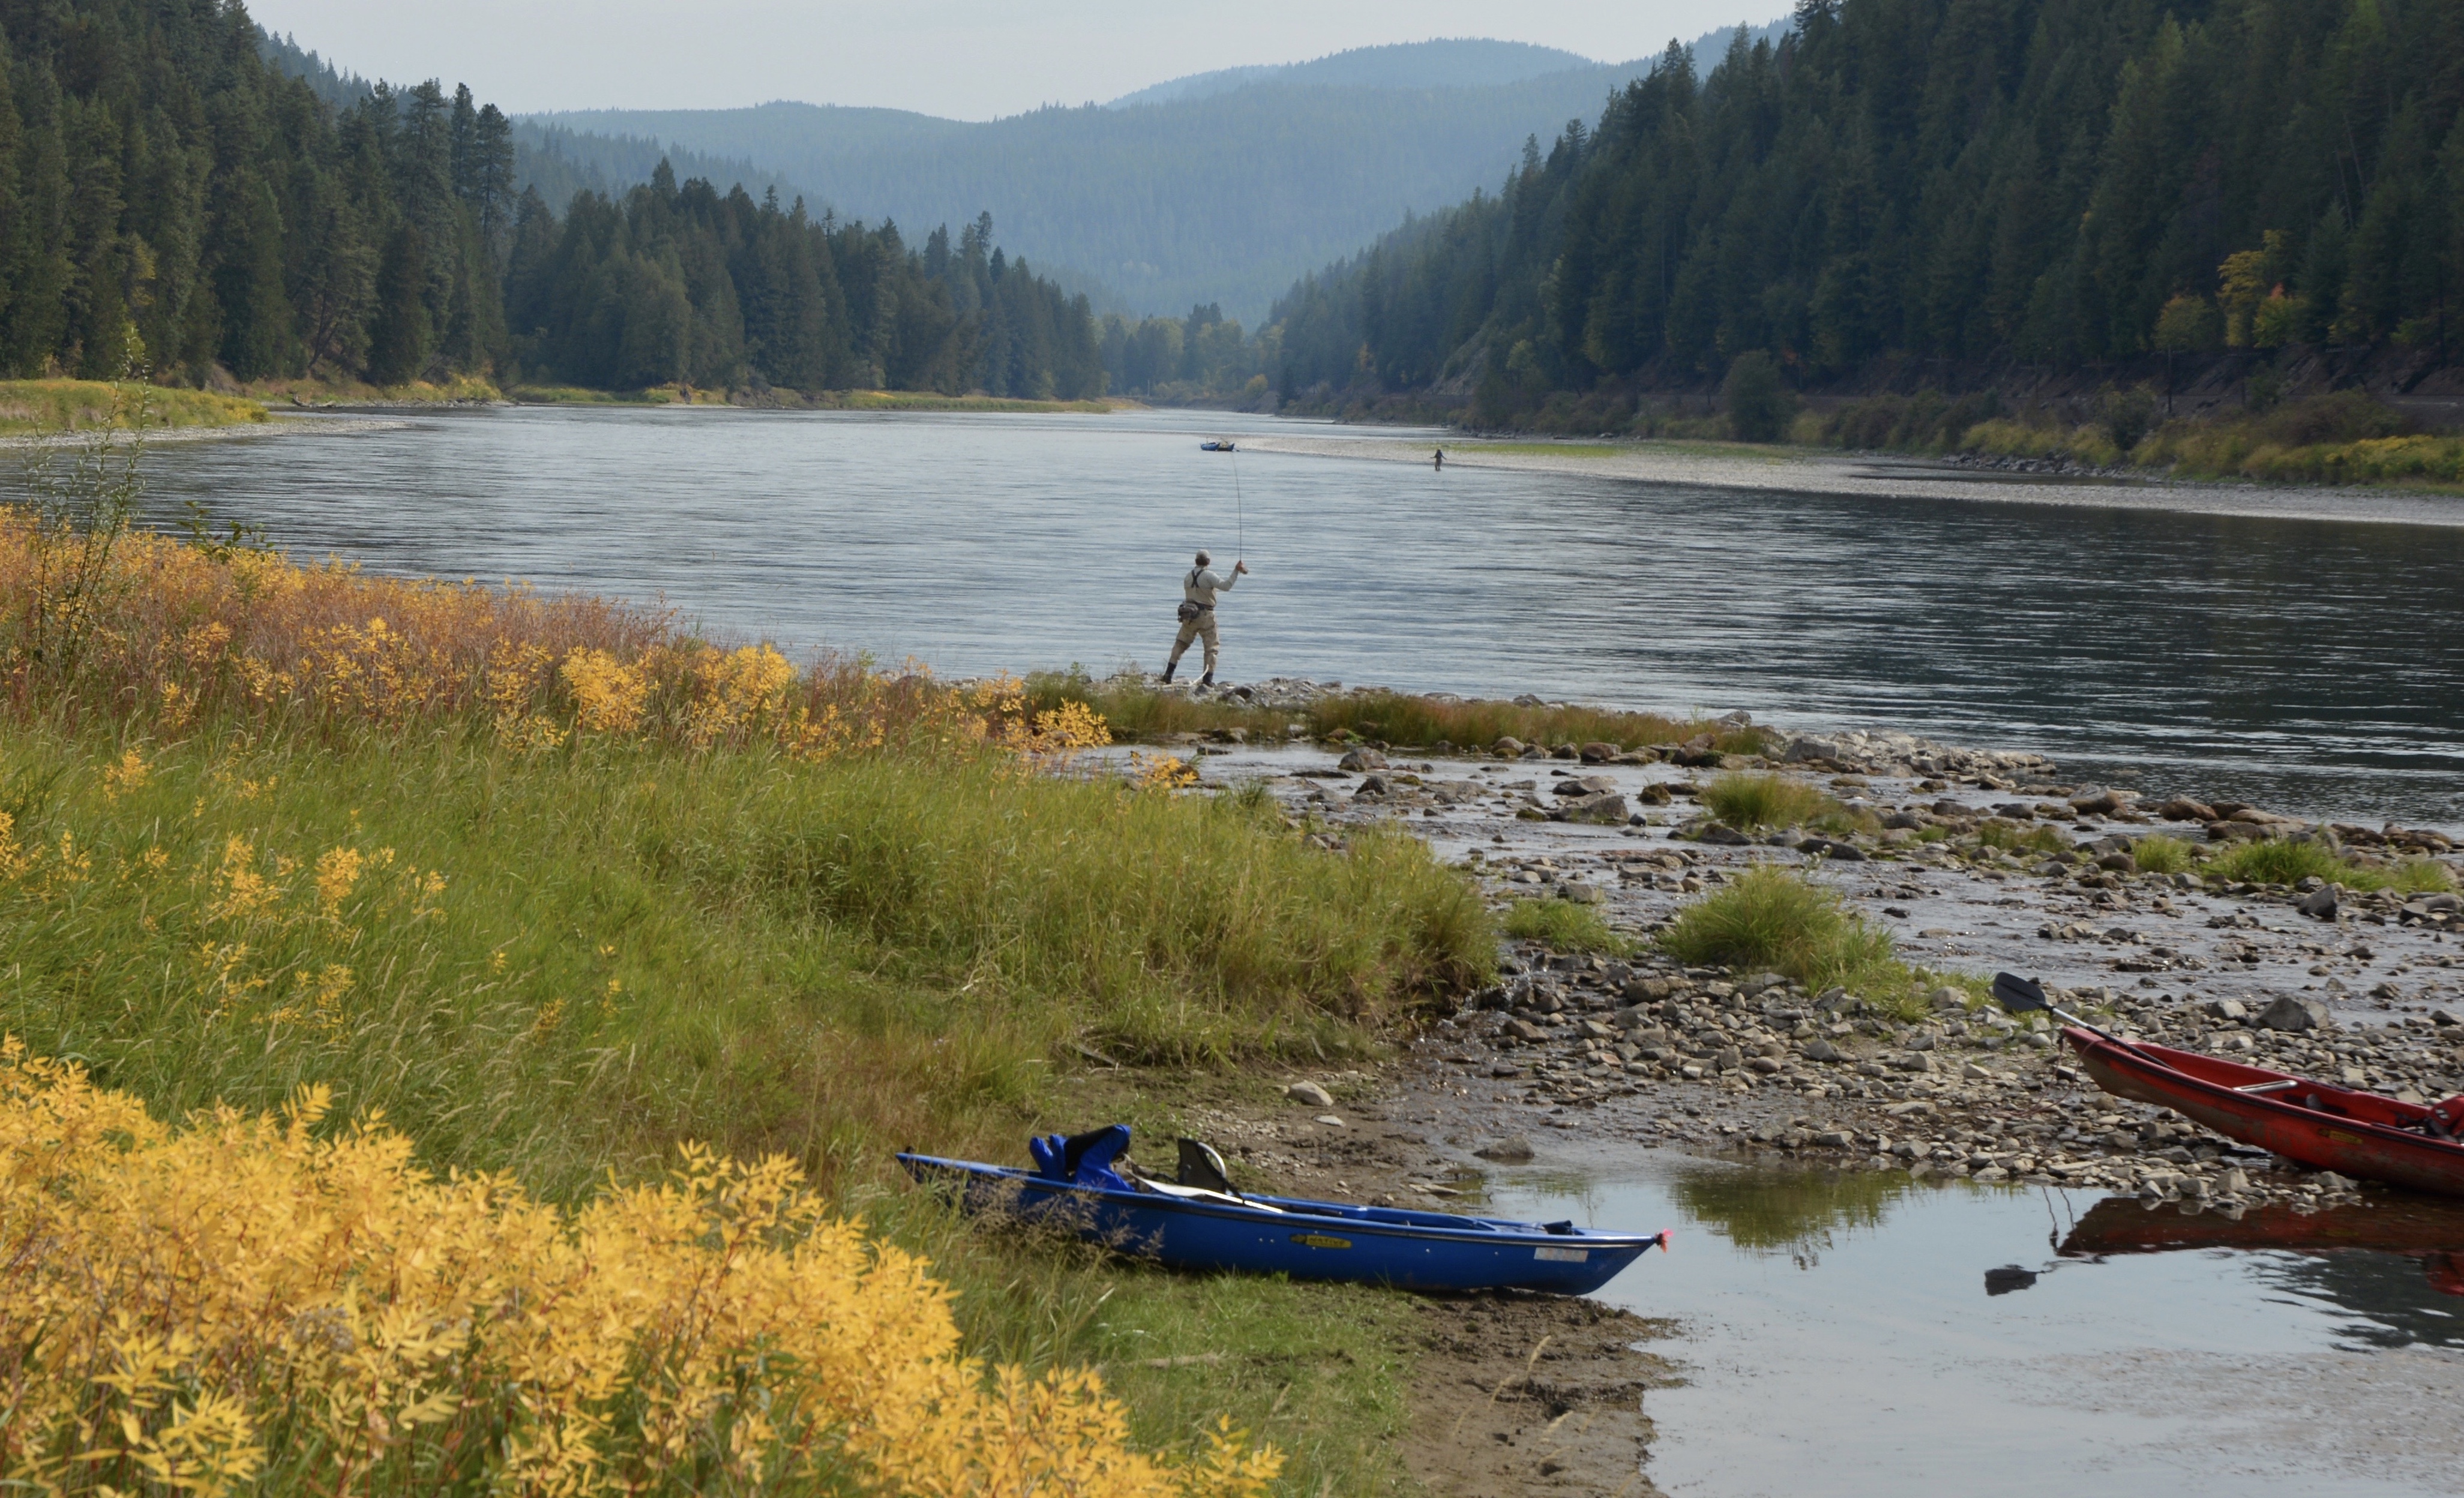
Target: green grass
{"x": 1771, "y": 918}
{"x": 55, "y": 405}
{"x": 2159, "y": 854}
{"x": 633, "y": 946}
{"x": 1551, "y": 450}
{"x": 1564, "y": 926}
{"x": 2281, "y": 861}
{"x": 1398, "y": 718}
{"x": 1749, "y": 800}
{"x": 2009, "y": 836}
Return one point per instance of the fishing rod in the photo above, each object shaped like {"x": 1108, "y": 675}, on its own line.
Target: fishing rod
{"x": 1240, "y": 527}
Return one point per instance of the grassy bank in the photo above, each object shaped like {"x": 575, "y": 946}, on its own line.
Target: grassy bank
{"x": 2342, "y": 438}
{"x": 555, "y": 887}
{"x": 30, "y": 406}
{"x": 1395, "y": 720}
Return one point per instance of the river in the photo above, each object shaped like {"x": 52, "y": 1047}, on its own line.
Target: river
{"x": 2309, "y": 663}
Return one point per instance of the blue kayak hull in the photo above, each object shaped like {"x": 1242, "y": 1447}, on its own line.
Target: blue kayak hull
{"x": 1302, "y": 1239}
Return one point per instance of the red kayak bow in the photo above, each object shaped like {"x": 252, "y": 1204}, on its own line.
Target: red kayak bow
{"x": 2326, "y": 1127}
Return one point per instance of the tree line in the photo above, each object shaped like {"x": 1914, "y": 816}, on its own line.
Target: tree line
{"x": 2050, "y": 182}
{"x": 169, "y": 200}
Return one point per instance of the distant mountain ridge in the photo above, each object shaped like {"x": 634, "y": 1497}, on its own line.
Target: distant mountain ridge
{"x": 1452, "y": 62}
{"x": 1223, "y": 196}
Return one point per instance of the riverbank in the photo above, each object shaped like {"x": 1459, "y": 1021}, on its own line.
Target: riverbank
{"x": 45, "y": 407}
{"x": 1748, "y": 467}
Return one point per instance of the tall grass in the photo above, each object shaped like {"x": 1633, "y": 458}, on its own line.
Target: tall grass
{"x": 2159, "y": 854}
{"x": 1563, "y": 926}
{"x": 1768, "y": 800}
{"x": 1771, "y": 918}
{"x": 2285, "y": 860}
{"x": 68, "y": 405}
{"x": 555, "y": 886}
{"x": 1137, "y": 711}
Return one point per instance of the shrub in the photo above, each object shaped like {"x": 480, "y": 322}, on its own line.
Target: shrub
{"x": 1564, "y": 926}
{"x": 1770, "y": 917}
{"x": 1758, "y": 402}
{"x": 2038, "y": 838}
{"x": 195, "y": 1309}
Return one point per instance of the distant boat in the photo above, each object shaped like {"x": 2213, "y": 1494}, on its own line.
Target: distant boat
{"x": 1201, "y": 1227}
{"x": 1219, "y": 445}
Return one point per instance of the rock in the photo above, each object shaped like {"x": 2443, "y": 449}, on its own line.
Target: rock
{"x": 1947, "y": 998}
{"x": 1765, "y": 1065}
{"x": 1729, "y": 1058}
{"x": 1596, "y": 753}
{"x": 2008, "y": 1278}
{"x": 1361, "y": 759}
{"x": 1723, "y": 835}
{"x": 1752, "y": 984}
{"x": 1819, "y": 1051}
{"x": 1329, "y": 1120}
{"x": 1508, "y": 746}
{"x": 1512, "y": 1150}
{"x": 2182, "y": 808}
{"x": 2226, "y": 1008}
{"x": 2118, "y": 863}
{"x": 1311, "y": 1094}
{"x": 1582, "y": 785}
{"x": 2102, "y": 803}
{"x": 1521, "y": 1030}
{"x": 2318, "y": 903}
{"x": 1905, "y": 820}
{"x": 1914, "y": 1061}
{"x": 1809, "y": 748}
{"x": 1832, "y": 848}
{"x": 1580, "y": 893}
{"x": 1608, "y": 809}
{"x": 2330, "y": 1180}
{"x": 1373, "y": 787}
{"x": 2293, "y": 1012}
{"x": 1656, "y": 793}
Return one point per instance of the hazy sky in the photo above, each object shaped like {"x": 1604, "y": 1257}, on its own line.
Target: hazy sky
{"x": 970, "y": 59}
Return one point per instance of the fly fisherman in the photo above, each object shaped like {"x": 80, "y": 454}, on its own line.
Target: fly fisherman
{"x": 1197, "y": 592}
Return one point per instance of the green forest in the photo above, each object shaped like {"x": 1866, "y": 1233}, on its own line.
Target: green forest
{"x": 171, "y": 201}
{"x": 2055, "y": 182}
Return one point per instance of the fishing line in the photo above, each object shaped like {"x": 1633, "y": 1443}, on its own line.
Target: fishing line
{"x": 1239, "y": 527}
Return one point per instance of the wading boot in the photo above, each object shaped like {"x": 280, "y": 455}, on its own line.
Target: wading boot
{"x": 1208, "y": 679}
{"x": 1169, "y": 666}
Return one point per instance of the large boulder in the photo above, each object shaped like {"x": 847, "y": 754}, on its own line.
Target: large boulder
{"x": 1604, "y": 806}
{"x": 1361, "y": 759}
{"x": 2293, "y": 1012}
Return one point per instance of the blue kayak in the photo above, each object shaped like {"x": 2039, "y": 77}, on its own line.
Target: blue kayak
{"x": 1201, "y": 1227}
{"x": 1220, "y": 445}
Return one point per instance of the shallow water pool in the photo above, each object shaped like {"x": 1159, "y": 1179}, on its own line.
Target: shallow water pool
{"x": 1841, "y": 1335}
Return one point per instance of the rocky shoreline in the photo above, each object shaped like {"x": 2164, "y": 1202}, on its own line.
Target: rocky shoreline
{"x": 1752, "y": 1066}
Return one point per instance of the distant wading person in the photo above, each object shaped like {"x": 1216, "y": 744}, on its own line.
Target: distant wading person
{"x": 1441, "y": 464}
{"x": 1197, "y": 592}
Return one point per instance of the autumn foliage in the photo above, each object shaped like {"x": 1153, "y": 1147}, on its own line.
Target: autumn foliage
{"x": 251, "y": 1299}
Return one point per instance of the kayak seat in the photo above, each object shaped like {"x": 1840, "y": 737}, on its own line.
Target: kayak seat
{"x": 1084, "y": 1159}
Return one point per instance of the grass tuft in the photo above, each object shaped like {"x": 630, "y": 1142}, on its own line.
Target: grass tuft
{"x": 1770, "y": 917}
{"x": 1565, "y": 926}
{"x": 2159, "y": 854}
{"x": 2286, "y": 860}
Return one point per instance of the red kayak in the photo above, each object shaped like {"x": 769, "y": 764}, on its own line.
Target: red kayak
{"x": 2319, "y": 1124}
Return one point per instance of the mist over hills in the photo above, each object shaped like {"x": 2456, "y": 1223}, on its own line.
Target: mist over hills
{"x": 1454, "y": 63}
{"x": 1220, "y": 187}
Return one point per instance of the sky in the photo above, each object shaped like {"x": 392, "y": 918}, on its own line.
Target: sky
{"x": 966, "y": 59}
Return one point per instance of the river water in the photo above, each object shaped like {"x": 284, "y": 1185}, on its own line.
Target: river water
{"x": 2312, "y": 664}
{"x": 1841, "y": 1334}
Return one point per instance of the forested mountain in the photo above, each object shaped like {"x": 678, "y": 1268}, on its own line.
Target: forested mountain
{"x": 1222, "y": 199}
{"x": 1454, "y": 63}
{"x": 2056, "y": 182}
{"x": 168, "y": 196}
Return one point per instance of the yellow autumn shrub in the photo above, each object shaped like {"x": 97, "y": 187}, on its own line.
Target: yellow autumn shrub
{"x": 245, "y": 1302}
{"x": 182, "y": 632}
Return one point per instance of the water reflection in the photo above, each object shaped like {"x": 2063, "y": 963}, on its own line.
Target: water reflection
{"x": 2393, "y": 1264}
{"x": 1794, "y": 1213}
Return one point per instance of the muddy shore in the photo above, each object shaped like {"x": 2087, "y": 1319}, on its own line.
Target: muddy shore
{"x": 1574, "y": 1052}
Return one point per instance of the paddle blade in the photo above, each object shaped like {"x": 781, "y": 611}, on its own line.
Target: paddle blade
{"x": 2018, "y": 995}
